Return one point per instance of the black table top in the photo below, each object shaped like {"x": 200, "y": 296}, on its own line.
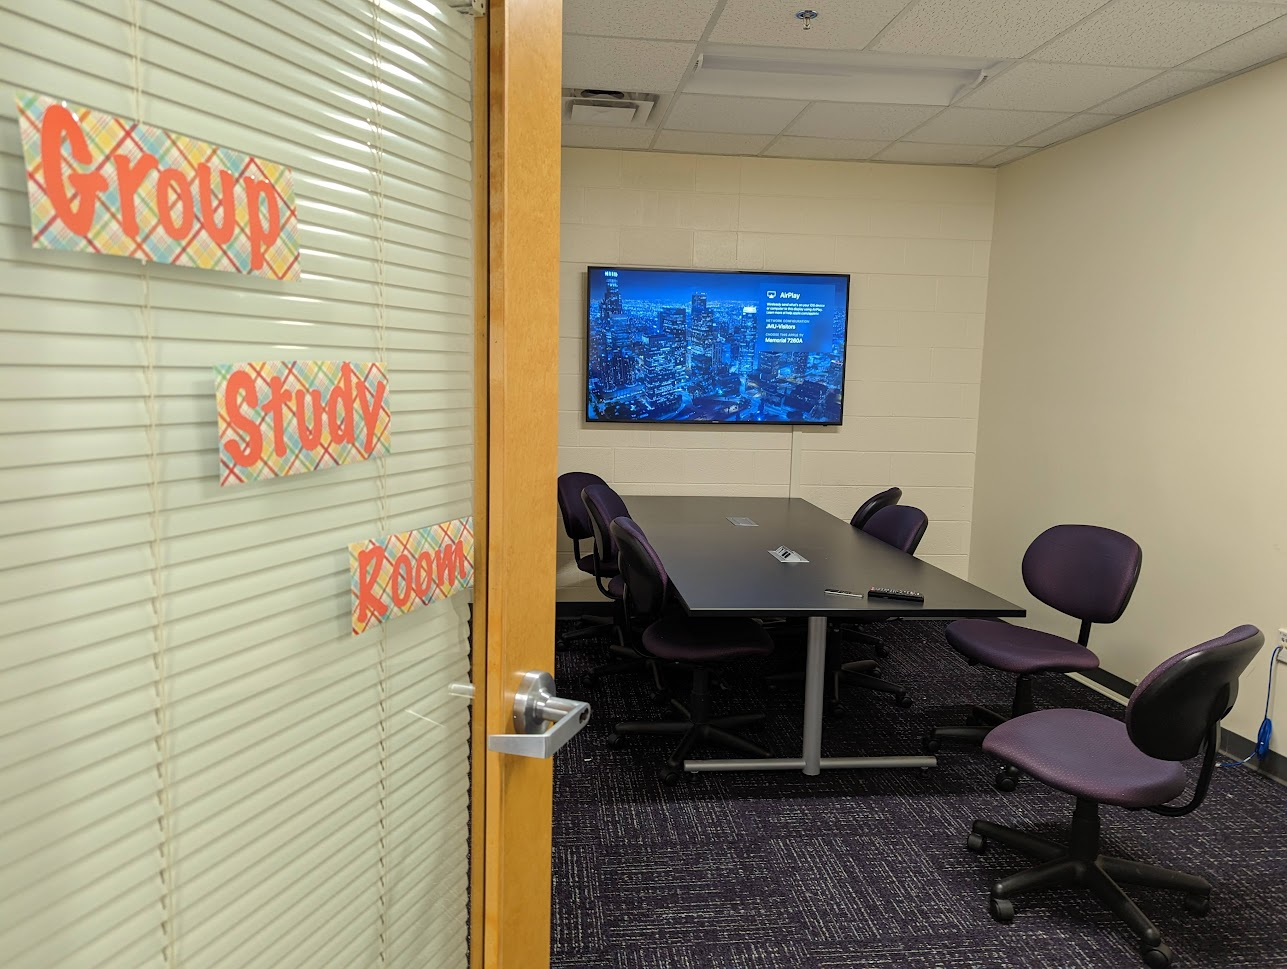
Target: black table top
{"x": 722, "y": 569}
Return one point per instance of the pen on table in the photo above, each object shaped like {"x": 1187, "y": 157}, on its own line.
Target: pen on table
{"x": 843, "y": 592}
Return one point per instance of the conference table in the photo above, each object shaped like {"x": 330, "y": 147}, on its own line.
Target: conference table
{"x": 722, "y": 569}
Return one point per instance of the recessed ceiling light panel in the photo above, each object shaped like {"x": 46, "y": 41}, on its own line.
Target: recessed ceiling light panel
{"x": 862, "y": 77}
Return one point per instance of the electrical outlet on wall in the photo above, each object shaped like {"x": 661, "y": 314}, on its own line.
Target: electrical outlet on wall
{"x": 1282, "y": 641}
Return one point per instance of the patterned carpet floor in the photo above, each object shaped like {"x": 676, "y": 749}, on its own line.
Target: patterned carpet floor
{"x": 868, "y": 869}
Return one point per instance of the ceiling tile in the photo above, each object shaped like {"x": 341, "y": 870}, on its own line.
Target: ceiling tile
{"x": 834, "y": 148}
{"x": 906, "y": 151}
{"x": 737, "y": 116}
{"x": 1263, "y": 44}
{"x": 1055, "y": 87}
{"x": 1003, "y": 157}
{"x": 977, "y": 126}
{"x": 841, "y": 24}
{"x": 1154, "y": 33}
{"x": 614, "y": 63}
{"x": 1074, "y": 126}
{"x": 720, "y": 144}
{"x": 655, "y": 20}
{"x": 596, "y": 136}
{"x": 982, "y": 28}
{"x": 1165, "y": 86}
{"x": 865, "y": 122}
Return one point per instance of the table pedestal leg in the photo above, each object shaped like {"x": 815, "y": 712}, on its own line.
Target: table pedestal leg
{"x": 815, "y": 675}
{"x": 811, "y": 760}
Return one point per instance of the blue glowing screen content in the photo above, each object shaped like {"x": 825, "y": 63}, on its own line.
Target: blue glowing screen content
{"x": 736, "y": 347}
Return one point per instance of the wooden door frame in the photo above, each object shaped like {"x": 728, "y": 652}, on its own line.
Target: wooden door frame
{"x": 518, "y": 81}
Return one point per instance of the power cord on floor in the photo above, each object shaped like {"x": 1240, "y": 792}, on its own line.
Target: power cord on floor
{"x": 1261, "y": 749}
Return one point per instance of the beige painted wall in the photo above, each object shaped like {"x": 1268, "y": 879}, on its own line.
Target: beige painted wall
{"x": 916, "y": 240}
{"x": 1133, "y": 375}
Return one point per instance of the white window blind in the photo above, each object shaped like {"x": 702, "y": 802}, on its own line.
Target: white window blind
{"x": 199, "y": 765}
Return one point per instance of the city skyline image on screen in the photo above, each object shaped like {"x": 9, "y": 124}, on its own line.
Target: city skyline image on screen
{"x": 679, "y": 345}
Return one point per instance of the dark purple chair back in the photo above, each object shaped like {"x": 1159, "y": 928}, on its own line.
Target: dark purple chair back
{"x": 576, "y": 520}
{"x": 874, "y": 504}
{"x": 1083, "y": 570}
{"x": 603, "y": 505}
{"x": 1175, "y": 708}
{"x": 647, "y": 585}
{"x": 901, "y": 526}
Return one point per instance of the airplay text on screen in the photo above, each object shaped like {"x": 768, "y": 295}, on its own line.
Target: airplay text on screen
{"x": 797, "y": 318}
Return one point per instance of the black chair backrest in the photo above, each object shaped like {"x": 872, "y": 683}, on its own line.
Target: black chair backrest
{"x": 647, "y": 585}
{"x": 875, "y": 503}
{"x": 901, "y": 526}
{"x": 603, "y": 505}
{"x": 1083, "y": 570}
{"x": 576, "y": 521}
{"x": 1175, "y": 707}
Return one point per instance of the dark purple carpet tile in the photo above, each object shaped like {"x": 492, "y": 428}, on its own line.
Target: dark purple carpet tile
{"x": 867, "y": 869}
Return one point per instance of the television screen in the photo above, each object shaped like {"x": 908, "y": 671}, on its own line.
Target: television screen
{"x": 699, "y": 346}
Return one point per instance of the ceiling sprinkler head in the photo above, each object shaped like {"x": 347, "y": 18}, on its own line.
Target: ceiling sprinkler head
{"x": 808, "y": 16}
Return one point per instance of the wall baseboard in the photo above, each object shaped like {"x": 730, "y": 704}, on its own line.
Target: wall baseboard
{"x": 570, "y": 609}
{"x": 1232, "y": 745}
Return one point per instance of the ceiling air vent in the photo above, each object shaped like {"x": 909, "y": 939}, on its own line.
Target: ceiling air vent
{"x": 618, "y": 109}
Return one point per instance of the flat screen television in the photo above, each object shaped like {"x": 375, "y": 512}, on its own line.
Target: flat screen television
{"x": 704, "y": 346}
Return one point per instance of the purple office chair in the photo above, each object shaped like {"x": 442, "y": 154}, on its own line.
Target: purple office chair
{"x": 1084, "y": 571}
{"x": 604, "y": 506}
{"x": 694, "y": 644}
{"x": 874, "y": 504}
{"x": 901, "y": 527}
{"x": 577, "y": 526}
{"x": 1172, "y": 716}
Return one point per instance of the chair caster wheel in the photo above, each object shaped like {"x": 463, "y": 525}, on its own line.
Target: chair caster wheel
{"x": 1197, "y": 905}
{"x": 614, "y": 740}
{"x": 1005, "y": 781}
{"x": 1156, "y": 957}
{"x": 660, "y": 696}
{"x": 669, "y": 776}
{"x": 930, "y": 744}
{"x": 1001, "y": 909}
{"x": 903, "y": 700}
{"x": 976, "y": 843}
{"x": 837, "y": 710}
{"x": 882, "y": 650}
{"x": 592, "y": 679}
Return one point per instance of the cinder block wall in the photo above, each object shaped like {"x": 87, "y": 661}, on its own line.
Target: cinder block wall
{"x": 916, "y": 240}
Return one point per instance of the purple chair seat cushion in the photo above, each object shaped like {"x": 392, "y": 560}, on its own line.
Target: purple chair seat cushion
{"x": 1018, "y": 649}
{"x": 1087, "y": 755}
{"x": 617, "y": 587}
{"x": 684, "y": 640}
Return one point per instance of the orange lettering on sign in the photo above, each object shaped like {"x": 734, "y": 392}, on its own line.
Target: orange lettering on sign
{"x": 175, "y": 206}
{"x": 57, "y": 124}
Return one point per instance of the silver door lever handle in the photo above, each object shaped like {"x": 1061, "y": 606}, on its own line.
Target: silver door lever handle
{"x": 535, "y": 705}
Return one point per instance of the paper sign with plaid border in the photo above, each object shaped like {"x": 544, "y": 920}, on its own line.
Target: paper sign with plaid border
{"x": 285, "y": 417}
{"x": 398, "y": 573}
{"x": 98, "y": 183}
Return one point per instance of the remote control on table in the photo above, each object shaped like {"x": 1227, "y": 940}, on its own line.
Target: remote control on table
{"x": 876, "y": 592}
